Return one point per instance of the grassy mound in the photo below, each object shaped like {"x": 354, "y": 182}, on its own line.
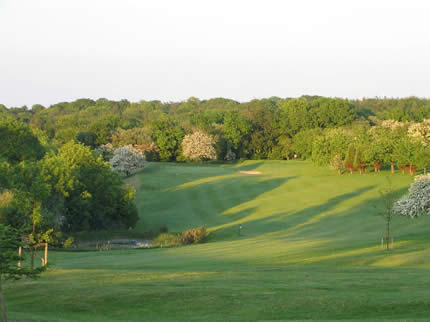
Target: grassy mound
{"x": 309, "y": 248}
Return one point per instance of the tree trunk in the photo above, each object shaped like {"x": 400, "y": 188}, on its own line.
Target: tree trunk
{"x": 392, "y": 167}
{"x": 339, "y": 172}
{"x": 388, "y": 235}
{"x": 2, "y": 303}
{"x": 425, "y": 170}
{"x": 32, "y": 257}
{"x": 33, "y": 247}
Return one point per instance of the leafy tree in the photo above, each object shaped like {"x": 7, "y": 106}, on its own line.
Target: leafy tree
{"x": 87, "y": 138}
{"x": 326, "y": 146}
{"x": 237, "y": 130}
{"x": 422, "y": 158}
{"x": 36, "y": 108}
{"x": 207, "y": 120}
{"x": 303, "y": 142}
{"x": 375, "y": 152}
{"x": 30, "y": 194}
{"x": 388, "y": 143}
{"x": 283, "y": 150}
{"x": 103, "y": 128}
{"x": 359, "y": 159}
{"x": 134, "y": 136}
{"x": 127, "y": 159}
{"x": 67, "y": 127}
{"x": 18, "y": 143}
{"x": 407, "y": 153}
{"x": 27, "y": 202}
{"x": 10, "y": 240}
{"x": 332, "y": 112}
{"x": 295, "y": 116}
{"x": 262, "y": 116}
{"x": 168, "y": 137}
{"x": 141, "y": 114}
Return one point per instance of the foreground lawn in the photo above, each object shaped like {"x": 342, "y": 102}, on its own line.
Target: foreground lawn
{"x": 309, "y": 249}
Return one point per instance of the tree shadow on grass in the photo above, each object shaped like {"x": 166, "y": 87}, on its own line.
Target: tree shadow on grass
{"x": 342, "y": 237}
{"x": 248, "y": 167}
{"x": 208, "y": 200}
{"x": 292, "y": 223}
{"x": 186, "y": 197}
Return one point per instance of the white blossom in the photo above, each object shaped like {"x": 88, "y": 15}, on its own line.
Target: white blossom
{"x": 125, "y": 159}
{"x": 420, "y": 131}
{"x": 417, "y": 201}
{"x": 199, "y": 146}
{"x": 392, "y": 124}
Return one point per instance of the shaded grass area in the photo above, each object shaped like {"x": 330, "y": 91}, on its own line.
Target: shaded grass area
{"x": 278, "y": 292}
{"x": 309, "y": 249}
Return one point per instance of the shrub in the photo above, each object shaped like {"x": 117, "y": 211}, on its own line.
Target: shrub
{"x": 336, "y": 163}
{"x": 230, "y": 155}
{"x": 194, "y": 236}
{"x": 167, "y": 239}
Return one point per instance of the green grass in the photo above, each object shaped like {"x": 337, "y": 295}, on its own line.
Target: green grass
{"x": 309, "y": 249}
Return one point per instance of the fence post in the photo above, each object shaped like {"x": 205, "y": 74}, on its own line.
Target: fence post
{"x": 46, "y": 254}
{"x": 19, "y": 254}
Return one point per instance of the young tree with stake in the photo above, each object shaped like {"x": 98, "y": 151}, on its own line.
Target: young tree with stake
{"x": 10, "y": 241}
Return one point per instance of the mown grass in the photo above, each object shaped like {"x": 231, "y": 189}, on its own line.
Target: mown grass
{"x": 309, "y": 249}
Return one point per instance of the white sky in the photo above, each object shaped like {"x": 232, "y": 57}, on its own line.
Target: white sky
{"x": 60, "y": 50}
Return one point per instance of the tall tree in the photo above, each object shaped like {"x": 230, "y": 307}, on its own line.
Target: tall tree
{"x": 237, "y": 130}
{"x": 168, "y": 137}
{"x": 18, "y": 143}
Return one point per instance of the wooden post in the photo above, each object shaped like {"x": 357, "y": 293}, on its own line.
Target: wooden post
{"x": 46, "y": 254}
{"x": 382, "y": 242}
{"x": 19, "y": 254}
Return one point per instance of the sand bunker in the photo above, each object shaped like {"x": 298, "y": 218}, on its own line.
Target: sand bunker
{"x": 250, "y": 172}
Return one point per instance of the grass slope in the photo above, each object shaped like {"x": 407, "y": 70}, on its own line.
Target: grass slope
{"x": 309, "y": 249}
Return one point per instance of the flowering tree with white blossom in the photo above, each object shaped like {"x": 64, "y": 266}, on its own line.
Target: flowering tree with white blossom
{"x": 421, "y": 131}
{"x": 126, "y": 159}
{"x": 199, "y": 146}
{"x": 417, "y": 202}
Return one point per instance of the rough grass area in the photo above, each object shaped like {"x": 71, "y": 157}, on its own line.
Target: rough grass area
{"x": 309, "y": 249}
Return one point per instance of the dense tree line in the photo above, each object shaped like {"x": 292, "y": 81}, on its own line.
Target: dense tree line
{"x": 311, "y": 127}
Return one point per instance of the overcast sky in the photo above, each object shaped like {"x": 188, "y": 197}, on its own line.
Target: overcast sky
{"x": 60, "y": 50}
